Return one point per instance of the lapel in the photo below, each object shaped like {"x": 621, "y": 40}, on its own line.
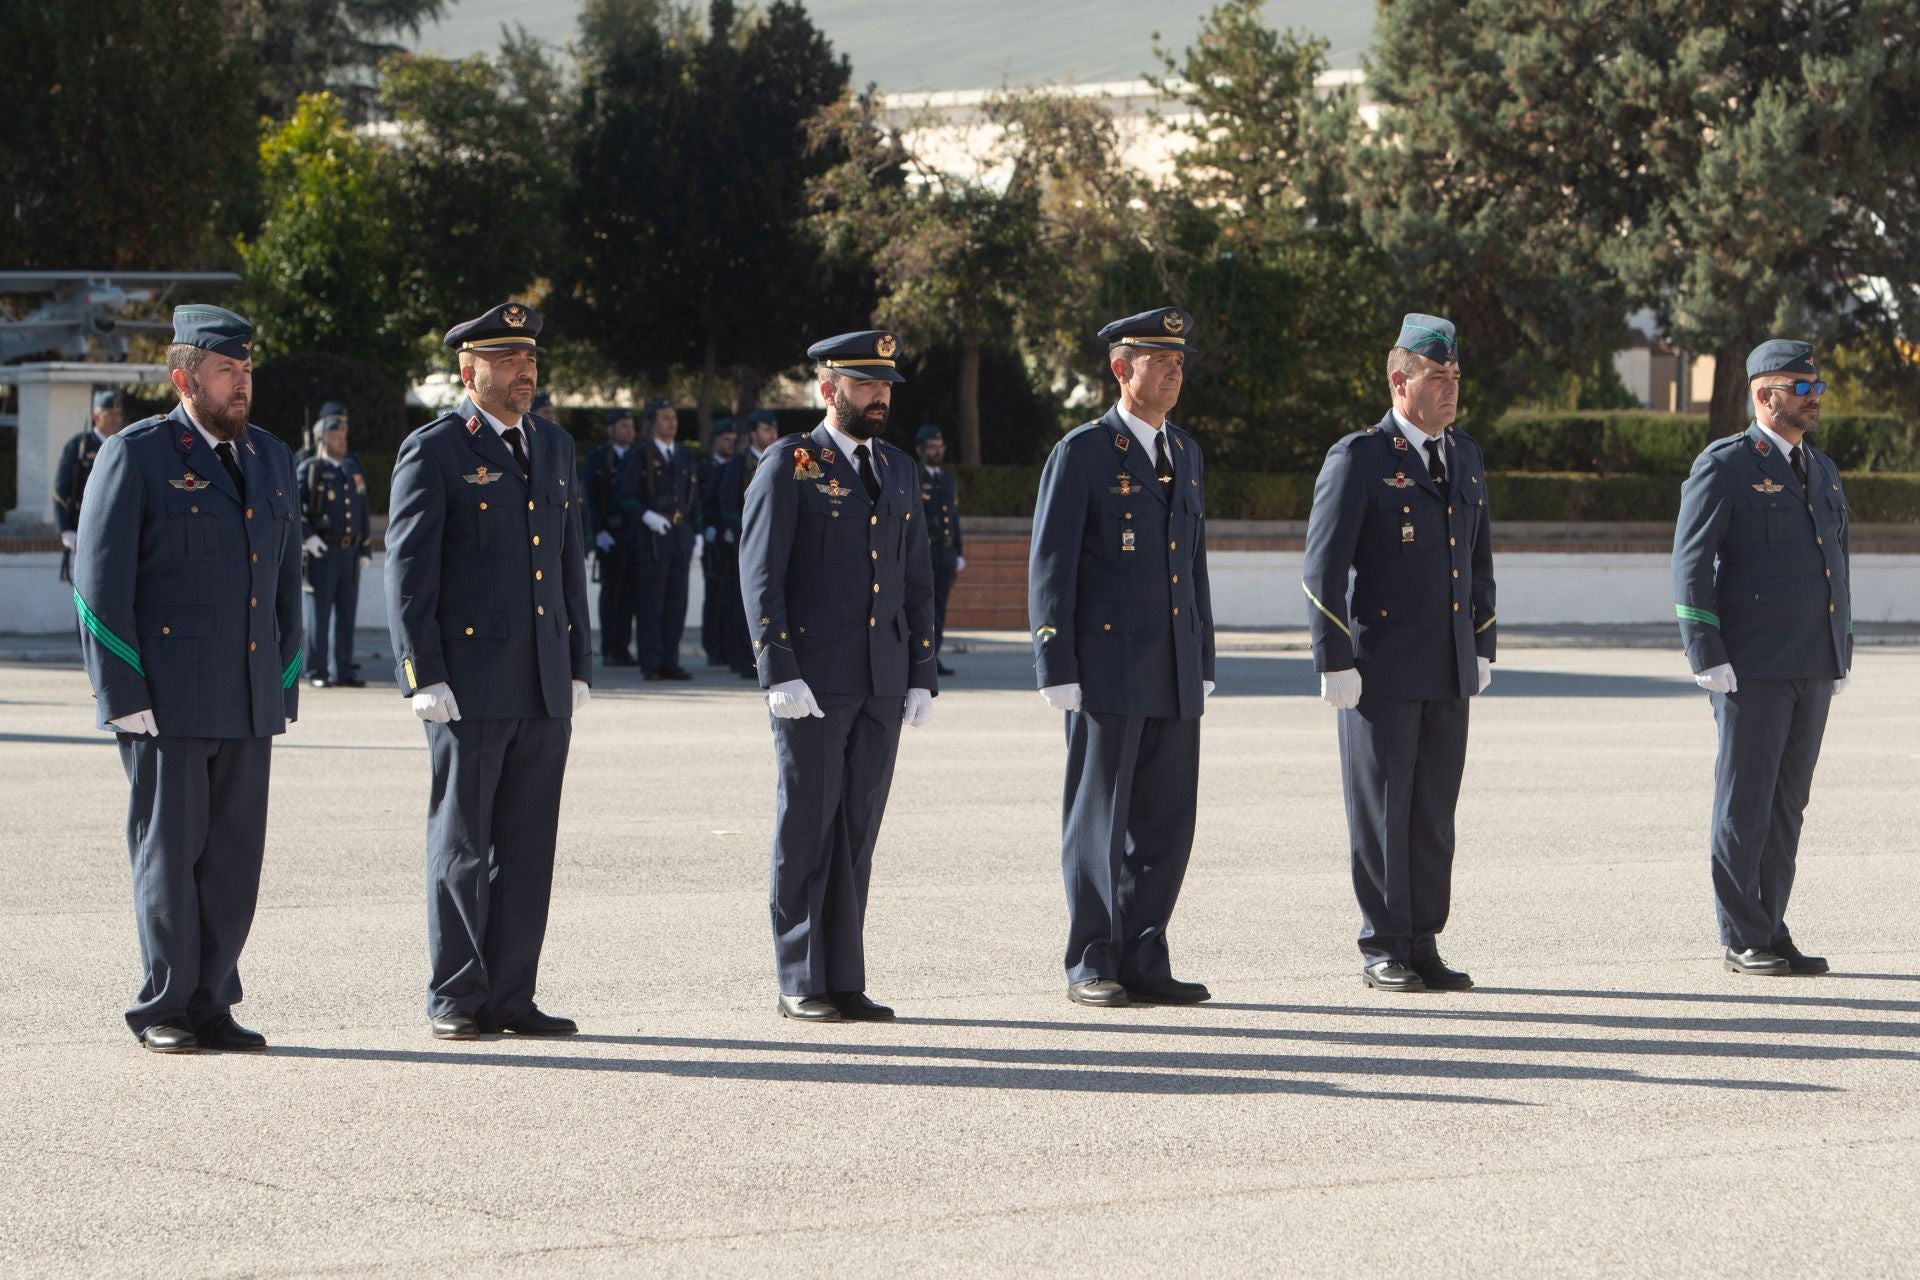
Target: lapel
{"x": 198, "y": 456}
{"x": 1410, "y": 461}
{"x": 486, "y": 442}
{"x": 1454, "y": 467}
{"x": 1773, "y": 461}
{"x": 1133, "y": 457}
{"x": 842, "y": 466}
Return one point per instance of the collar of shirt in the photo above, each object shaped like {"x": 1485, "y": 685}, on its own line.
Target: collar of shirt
{"x": 932, "y": 471}
{"x": 847, "y": 444}
{"x": 665, "y": 448}
{"x": 620, "y": 450}
{"x": 1418, "y": 438}
{"x": 499, "y": 427}
{"x": 1142, "y": 432}
{"x": 756, "y": 454}
{"x": 1786, "y": 450}
{"x": 99, "y": 439}
{"x": 204, "y": 433}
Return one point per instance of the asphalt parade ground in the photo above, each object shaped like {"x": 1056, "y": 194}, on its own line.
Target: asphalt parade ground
{"x": 1607, "y": 1101}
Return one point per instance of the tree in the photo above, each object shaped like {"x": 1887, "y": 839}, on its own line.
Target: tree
{"x": 684, "y": 229}
{"x": 1743, "y": 170}
{"x": 104, "y": 169}
{"x": 325, "y": 46}
{"x": 317, "y": 272}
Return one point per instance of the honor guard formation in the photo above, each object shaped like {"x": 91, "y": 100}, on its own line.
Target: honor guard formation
{"x": 211, "y": 575}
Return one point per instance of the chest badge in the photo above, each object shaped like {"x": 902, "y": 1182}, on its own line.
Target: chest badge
{"x": 473, "y": 425}
{"x": 1769, "y": 487}
{"x": 1398, "y": 480}
{"x": 1400, "y": 443}
{"x": 804, "y": 467}
{"x": 826, "y": 456}
{"x": 1126, "y": 540}
{"x": 483, "y": 476}
{"x": 1406, "y": 531}
{"x": 190, "y": 482}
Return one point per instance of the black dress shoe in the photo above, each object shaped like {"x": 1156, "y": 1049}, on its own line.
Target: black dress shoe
{"x": 1802, "y": 964}
{"x": 454, "y": 1026}
{"x": 855, "y": 1007}
{"x": 1101, "y": 993}
{"x": 224, "y": 1033}
{"x": 1393, "y": 975}
{"x": 351, "y": 682}
{"x": 809, "y": 1008}
{"x": 1438, "y": 977}
{"x": 320, "y": 682}
{"x": 941, "y": 668}
{"x": 616, "y": 660}
{"x": 1167, "y": 991}
{"x": 674, "y": 673}
{"x": 535, "y": 1023}
{"x": 171, "y": 1036}
{"x": 1759, "y": 962}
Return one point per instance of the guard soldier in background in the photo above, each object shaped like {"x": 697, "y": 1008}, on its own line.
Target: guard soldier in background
{"x": 331, "y": 410}
{"x": 729, "y": 502}
{"x": 76, "y": 464}
{"x": 487, "y": 601}
{"x": 667, "y": 505}
{"x": 940, "y": 498}
{"x": 836, "y": 579}
{"x": 1401, "y": 509}
{"x": 614, "y": 531}
{"x": 719, "y": 565}
{"x": 1761, "y": 586}
{"x": 1122, "y": 616}
{"x": 187, "y": 582}
{"x": 337, "y": 549}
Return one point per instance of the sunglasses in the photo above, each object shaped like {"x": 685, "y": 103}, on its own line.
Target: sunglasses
{"x": 1801, "y": 388}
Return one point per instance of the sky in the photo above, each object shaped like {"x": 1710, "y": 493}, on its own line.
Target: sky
{"x": 910, "y": 46}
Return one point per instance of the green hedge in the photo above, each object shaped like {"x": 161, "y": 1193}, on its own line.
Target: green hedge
{"x": 1665, "y": 444}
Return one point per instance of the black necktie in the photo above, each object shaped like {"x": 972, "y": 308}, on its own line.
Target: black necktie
{"x": 1436, "y": 468}
{"x": 1799, "y": 467}
{"x": 1162, "y": 459}
{"x": 232, "y": 464}
{"x": 867, "y": 477}
{"x": 512, "y": 436}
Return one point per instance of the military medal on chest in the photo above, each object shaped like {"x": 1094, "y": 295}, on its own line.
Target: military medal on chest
{"x": 1126, "y": 538}
{"x": 1398, "y": 481}
{"x": 804, "y": 467}
{"x": 1406, "y": 531}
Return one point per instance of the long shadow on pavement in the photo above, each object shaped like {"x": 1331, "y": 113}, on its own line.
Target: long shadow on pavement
{"x": 1464, "y": 1011}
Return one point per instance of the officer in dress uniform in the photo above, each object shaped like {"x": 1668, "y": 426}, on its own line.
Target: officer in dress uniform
{"x": 838, "y": 587}
{"x": 940, "y": 500}
{"x": 719, "y": 562}
{"x": 665, "y": 504}
{"x": 1766, "y": 613}
{"x": 1122, "y": 618}
{"x": 607, "y": 480}
{"x": 1402, "y": 508}
{"x": 729, "y": 503}
{"x": 487, "y": 600}
{"x": 187, "y": 583}
{"x": 337, "y": 547}
{"x": 76, "y": 464}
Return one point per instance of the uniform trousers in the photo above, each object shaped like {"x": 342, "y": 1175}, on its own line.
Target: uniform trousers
{"x": 330, "y": 603}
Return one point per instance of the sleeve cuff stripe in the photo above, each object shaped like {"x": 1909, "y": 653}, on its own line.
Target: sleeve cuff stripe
{"x": 1331, "y": 616}
{"x": 1482, "y": 628}
{"x": 292, "y": 672}
{"x": 1691, "y": 614}
{"x": 110, "y": 642}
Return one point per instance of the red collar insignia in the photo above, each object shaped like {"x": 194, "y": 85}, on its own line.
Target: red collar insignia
{"x": 473, "y": 425}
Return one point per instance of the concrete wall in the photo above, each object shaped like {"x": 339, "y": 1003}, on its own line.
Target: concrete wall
{"x": 1250, "y": 589}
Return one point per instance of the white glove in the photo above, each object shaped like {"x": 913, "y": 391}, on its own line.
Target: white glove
{"x": 435, "y": 703}
{"x": 603, "y": 540}
{"x": 138, "y": 722}
{"x": 314, "y": 545}
{"x": 365, "y": 561}
{"x": 656, "y": 522}
{"x": 792, "y": 700}
{"x": 68, "y": 538}
{"x": 1486, "y": 673}
{"x": 959, "y": 564}
{"x": 1340, "y": 689}
{"x": 919, "y": 708}
{"x": 1840, "y": 685}
{"x": 1206, "y": 688}
{"x": 1718, "y": 679}
{"x": 713, "y": 535}
{"x": 581, "y": 692}
{"x": 1062, "y": 697}
{"x": 728, "y": 536}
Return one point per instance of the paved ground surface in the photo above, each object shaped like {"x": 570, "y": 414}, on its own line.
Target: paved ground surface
{"x": 1608, "y": 1101}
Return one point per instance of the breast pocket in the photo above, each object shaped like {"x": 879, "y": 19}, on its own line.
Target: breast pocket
{"x": 470, "y": 522}
{"x": 839, "y": 529}
{"x": 194, "y": 524}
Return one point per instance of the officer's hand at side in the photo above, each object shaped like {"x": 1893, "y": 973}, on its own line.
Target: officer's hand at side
{"x": 1206, "y": 688}
{"x": 919, "y": 708}
{"x": 365, "y": 561}
{"x": 435, "y": 703}
{"x": 959, "y": 564}
{"x": 1340, "y": 689}
{"x": 69, "y": 539}
{"x": 713, "y": 535}
{"x": 1062, "y": 697}
{"x": 1486, "y": 673}
{"x": 138, "y": 722}
{"x": 314, "y": 545}
{"x": 1718, "y": 679}
{"x": 581, "y": 692}
{"x": 728, "y": 536}
{"x": 1840, "y": 685}
{"x": 792, "y": 700}
{"x": 603, "y": 540}
{"x": 656, "y": 522}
